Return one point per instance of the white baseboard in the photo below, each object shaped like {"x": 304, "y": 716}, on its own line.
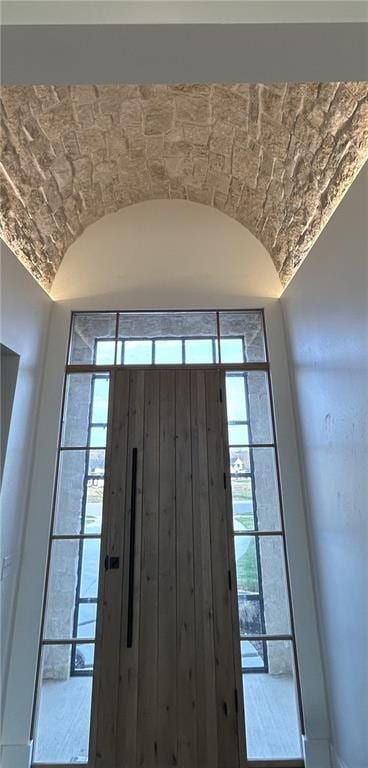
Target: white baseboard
{"x": 336, "y": 760}
{"x": 16, "y": 755}
{"x": 316, "y": 753}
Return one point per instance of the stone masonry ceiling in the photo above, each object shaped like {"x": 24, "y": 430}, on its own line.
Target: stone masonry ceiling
{"x": 277, "y": 158}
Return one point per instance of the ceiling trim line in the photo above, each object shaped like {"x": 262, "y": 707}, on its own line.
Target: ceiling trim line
{"x": 42, "y": 12}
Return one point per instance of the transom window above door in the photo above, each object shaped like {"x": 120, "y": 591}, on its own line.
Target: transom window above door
{"x": 167, "y": 338}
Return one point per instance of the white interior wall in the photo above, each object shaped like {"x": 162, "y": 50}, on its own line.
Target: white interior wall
{"x": 24, "y": 322}
{"x": 326, "y": 315}
{"x": 155, "y": 253}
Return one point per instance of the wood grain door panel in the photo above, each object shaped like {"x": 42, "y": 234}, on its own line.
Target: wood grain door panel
{"x": 169, "y": 699}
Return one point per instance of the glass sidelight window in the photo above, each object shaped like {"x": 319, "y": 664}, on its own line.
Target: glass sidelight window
{"x": 100, "y": 342}
{"x": 63, "y": 707}
{"x": 265, "y": 625}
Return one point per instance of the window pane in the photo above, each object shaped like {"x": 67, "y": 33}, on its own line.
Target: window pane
{"x": 261, "y": 430}
{"x": 262, "y": 588}
{"x": 255, "y": 499}
{"x": 61, "y": 590}
{"x": 74, "y": 570}
{"x": 119, "y": 353}
{"x": 97, "y": 437}
{"x": 232, "y": 350}
{"x": 251, "y": 614}
{"x": 93, "y": 507}
{"x": 79, "y": 491}
{"x": 248, "y": 327}
{"x": 248, "y": 399}
{"x": 100, "y": 399}
{"x": 170, "y": 351}
{"x": 200, "y": 351}
{"x": 95, "y": 463}
{"x": 105, "y": 352}
{"x": 241, "y": 490}
{"x": 236, "y": 397}
{"x": 63, "y": 708}
{"x": 83, "y": 659}
{"x": 87, "y": 331}
{"x": 138, "y": 352}
{"x": 86, "y": 621}
{"x": 240, "y": 461}
{"x": 271, "y": 715}
{"x": 266, "y": 492}
{"x": 246, "y": 567}
{"x": 253, "y": 654}
{"x": 90, "y": 560}
{"x": 86, "y": 402}
{"x": 161, "y": 325}
{"x": 238, "y": 434}
{"x": 243, "y": 509}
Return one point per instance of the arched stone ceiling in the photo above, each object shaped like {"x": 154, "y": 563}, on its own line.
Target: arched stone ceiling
{"x": 277, "y": 158}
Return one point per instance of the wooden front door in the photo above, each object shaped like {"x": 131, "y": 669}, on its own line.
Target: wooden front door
{"x": 165, "y": 691}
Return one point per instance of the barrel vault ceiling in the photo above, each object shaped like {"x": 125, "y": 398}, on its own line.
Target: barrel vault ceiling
{"x": 276, "y": 158}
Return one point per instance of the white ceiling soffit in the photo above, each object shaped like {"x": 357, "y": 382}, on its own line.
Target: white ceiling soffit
{"x": 48, "y": 12}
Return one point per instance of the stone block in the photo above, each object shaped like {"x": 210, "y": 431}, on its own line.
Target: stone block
{"x": 196, "y": 134}
{"x": 83, "y": 94}
{"x": 130, "y": 112}
{"x": 47, "y": 94}
{"x": 271, "y": 101}
{"x": 231, "y": 107}
{"x": 51, "y": 194}
{"x": 246, "y": 163}
{"x": 84, "y": 116}
{"x": 193, "y": 108}
{"x": 154, "y": 147}
{"x": 82, "y": 172}
{"x": 220, "y": 181}
{"x": 222, "y": 138}
{"x": 57, "y": 120}
{"x": 91, "y": 140}
{"x": 62, "y": 171}
{"x": 105, "y": 173}
{"x": 309, "y": 136}
{"x": 275, "y": 137}
{"x": 158, "y": 116}
{"x": 177, "y": 191}
{"x": 14, "y": 96}
{"x": 202, "y": 195}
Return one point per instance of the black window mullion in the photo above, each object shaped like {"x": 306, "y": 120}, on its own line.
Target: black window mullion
{"x": 73, "y": 667}
{"x": 256, "y": 526}
{"x": 117, "y": 320}
{"x": 88, "y": 600}
{"x": 218, "y": 335}
{"x": 214, "y": 359}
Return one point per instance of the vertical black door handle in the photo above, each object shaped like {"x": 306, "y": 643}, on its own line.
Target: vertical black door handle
{"x": 132, "y": 551}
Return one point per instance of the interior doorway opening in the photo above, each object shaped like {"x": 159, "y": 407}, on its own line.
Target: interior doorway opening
{"x": 265, "y": 692}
